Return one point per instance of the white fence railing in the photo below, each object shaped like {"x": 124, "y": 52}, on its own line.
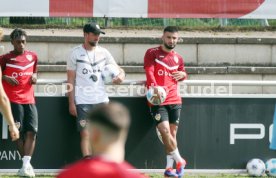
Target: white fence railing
{"x": 187, "y": 89}
{"x": 188, "y": 82}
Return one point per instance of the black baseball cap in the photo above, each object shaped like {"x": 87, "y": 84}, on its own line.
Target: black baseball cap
{"x": 92, "y": 27}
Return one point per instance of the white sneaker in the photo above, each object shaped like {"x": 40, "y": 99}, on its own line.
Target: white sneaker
{"x": 26, "y": 172}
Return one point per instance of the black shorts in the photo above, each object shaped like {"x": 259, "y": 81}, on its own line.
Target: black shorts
{"x": 82, "y": 111}
{"x": 169, "y": 113}
{"x": 25, "y": 117}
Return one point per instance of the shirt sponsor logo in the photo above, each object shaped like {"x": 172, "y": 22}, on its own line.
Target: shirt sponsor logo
{"x": 163, "y": 73}
{"x": 84, "y": 71}
{"x": 20, "y": 74}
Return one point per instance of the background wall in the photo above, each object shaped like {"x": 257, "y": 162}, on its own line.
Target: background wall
{"x": 204, "y": 135}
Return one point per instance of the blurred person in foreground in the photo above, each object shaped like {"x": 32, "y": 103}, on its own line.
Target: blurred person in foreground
{"x": 108, "y": 126}
{"x": 19, "y": 68}
{"x": 5, "y": 107}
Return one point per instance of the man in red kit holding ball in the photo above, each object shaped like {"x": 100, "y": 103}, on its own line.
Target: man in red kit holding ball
{"x": 164, "y": 67}
{"x": 19, "y": 74}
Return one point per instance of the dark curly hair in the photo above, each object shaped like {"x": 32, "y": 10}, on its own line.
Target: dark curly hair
{"x": 18, "y": 32}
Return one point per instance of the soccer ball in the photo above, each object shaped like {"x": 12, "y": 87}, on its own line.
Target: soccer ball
{"x": 271, "y": 167}
{"x": 255, "y": 167}
{"x": 109, "y": 72}
{"x": 150, "y": 96}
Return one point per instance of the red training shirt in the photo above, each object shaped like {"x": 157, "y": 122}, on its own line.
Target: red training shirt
{"x": 99, "y": 168}
{"x": 21, "y": 67}
{"x": 159, "y": 65}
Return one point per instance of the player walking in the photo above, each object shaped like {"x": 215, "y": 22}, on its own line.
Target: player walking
{"x": 164, "y": 67}
{"x": 5, "y": 107}
{"x": 86, "y": 87}
{"x": 19, "y": 74}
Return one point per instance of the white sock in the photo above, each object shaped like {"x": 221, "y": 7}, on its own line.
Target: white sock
{"x": 170, "y": 161}
{"x": 26, "y": 161}
{"x": 176, "y": 156}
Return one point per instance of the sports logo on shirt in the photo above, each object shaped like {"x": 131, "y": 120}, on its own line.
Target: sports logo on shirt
{"x": 175, "y": 58}
{"x": 29, "y": 57}
{"x": 163, "y": 73}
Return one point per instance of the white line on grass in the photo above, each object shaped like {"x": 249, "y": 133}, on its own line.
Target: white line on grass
{"x": 148, "y": 171}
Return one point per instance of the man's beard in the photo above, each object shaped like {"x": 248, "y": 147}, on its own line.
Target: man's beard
{"x": 93, "y": 43}
{"x": 169, "y": 47}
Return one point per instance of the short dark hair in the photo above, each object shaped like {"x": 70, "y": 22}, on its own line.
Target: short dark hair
{"x": 18, "y": 32}
{"x": 113, "y": 116}
{"x": 171, "y": 29}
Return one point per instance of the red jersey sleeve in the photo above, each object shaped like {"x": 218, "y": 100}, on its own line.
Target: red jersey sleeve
{"x": 182, "y": 67}
{"x": 35, "y": 63}
{"x": 149, "y": 63}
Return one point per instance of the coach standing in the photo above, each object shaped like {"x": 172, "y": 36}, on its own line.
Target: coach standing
{"x": 85, "y": 84}
{"x": 165, "y": 67}
{"x": 19, "y": 74}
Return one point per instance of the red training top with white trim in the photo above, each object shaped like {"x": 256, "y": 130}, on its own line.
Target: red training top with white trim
{"x": 21, "y": 67}
{"x": 159, "y": 65}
